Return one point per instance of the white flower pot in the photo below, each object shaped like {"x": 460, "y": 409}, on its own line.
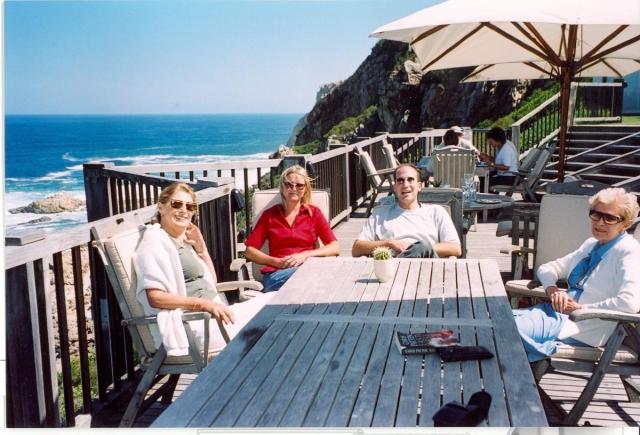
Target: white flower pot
{"x": 384, "y": 269}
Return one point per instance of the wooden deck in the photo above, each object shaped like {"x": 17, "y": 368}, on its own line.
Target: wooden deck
{"x": 610, "y": 406}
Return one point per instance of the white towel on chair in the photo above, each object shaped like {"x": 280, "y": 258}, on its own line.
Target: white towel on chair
{"x": 172, "y": 332}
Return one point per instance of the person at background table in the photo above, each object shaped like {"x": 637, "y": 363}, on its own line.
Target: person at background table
{"x": 175, "y": 271}
{"x": 450, "y": 139}
{"x": 409, "y": 228}
{"x": 603, "y": 273}
{"x": 459, "y": 142}
{"x": 292, "y": 229}
{"x": 505, "y": 160}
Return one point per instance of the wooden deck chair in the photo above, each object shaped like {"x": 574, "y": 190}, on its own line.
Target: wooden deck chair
{"x": 618, "y": 357}
{"x": 451, "y": 199}
{"x": 450, "y": 164}
{"x": 389, "y": 155}
{"x": 380, "y": 183}
{"x": 262, "y": 200}
{"x": 115, "y": 243}
{"x": 527, "y": 180}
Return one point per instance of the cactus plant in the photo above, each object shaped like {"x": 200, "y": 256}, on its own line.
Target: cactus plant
{"x": 382, "y": 253}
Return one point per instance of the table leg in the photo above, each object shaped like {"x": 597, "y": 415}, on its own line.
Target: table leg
{"x": 485, "y": 190}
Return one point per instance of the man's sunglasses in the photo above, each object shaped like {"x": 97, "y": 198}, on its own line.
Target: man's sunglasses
{"x": 290, "y": 185}
{"x": 607, "y": 218}
{"x": 191, "y": 206}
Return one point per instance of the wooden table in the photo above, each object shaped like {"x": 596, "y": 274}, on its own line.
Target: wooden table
{"x": 322, "y": 354}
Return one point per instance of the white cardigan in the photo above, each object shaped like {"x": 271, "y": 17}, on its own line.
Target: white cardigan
{"x": 614, "y": 285}
{"x": 157, "y": 265}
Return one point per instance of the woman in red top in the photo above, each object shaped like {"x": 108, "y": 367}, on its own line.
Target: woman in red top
{"x": 292, "y": 229}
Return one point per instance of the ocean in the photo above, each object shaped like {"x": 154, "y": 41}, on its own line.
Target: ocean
{"x": 44, "y": 153}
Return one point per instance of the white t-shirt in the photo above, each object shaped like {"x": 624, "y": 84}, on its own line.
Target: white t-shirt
{"x": 429, "y": 223}
{"x": 507, "y": 156}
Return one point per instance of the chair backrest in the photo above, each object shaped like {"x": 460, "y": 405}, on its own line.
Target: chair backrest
{"x": 264, "y": 199}
{"x": 563, "y": 225}
{"x": 538, "y": 168}
{"x": 369, "y": 168}
{"x": 451, "y": 199}
{"x": 389, "y": 155}
{"x": 450, "y": 164}
{"x": 116, "y": 242}
{"x": 530, "y": 158}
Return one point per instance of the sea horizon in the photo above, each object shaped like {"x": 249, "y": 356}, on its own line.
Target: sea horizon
{"x": 44, "y": 153}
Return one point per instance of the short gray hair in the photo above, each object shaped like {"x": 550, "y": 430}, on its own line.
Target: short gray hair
{"x": 620, "y": 197}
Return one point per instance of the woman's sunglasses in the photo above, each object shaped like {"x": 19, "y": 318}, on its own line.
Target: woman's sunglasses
{"x": 607, "y": 218}
{"x": 290, "y": 185}
{"x": 191, "y": 206}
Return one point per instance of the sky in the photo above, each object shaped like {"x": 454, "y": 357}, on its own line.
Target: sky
{"x": 184, "y": 56}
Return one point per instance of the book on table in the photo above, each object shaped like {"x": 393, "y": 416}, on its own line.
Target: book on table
{"x": 425, "y": 342}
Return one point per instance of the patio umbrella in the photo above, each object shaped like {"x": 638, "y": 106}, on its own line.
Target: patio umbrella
{"x": 528, "y": 39}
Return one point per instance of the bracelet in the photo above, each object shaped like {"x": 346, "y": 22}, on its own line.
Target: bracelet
{"x": 195, "y": 306}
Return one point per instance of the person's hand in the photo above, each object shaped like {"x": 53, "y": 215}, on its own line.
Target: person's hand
{"x": 560, "y": 300}
{"x": 571, "y": 306}
{"x": 193, "y": 236}
{"x": 294, "y": 260}
{"x": 220, "y": 312}
{"x": 399, "y": 245}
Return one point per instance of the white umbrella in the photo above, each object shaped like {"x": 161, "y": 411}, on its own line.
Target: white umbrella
{"x": 560, "y": 39}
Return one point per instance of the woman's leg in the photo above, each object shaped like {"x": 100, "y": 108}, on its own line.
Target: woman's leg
{"x": 539, "y": 327}
{"x": 274, "y": 280}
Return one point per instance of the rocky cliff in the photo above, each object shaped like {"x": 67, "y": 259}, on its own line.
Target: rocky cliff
{"x": 405, "y": 99}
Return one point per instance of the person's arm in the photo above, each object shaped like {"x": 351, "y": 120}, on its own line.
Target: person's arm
{"x": 365, "y": 247}
{"x": 298, "y": 258}
{"x": 259, "y": 257}
{"x": 549, "y": 273}
{"x": 164, "y": 300}
{"x": 448, "y": 249}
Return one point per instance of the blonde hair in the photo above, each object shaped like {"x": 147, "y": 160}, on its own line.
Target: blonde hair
{"x": 627, "y": 202}
{"x": 168, "y": 192}
{"x": 298, "y": 170}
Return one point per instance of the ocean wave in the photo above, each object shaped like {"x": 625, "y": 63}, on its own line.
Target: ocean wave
{"x": 68, "y": 157}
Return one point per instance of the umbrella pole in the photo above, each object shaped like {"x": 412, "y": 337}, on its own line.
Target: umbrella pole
{"x": 565, "y": 91}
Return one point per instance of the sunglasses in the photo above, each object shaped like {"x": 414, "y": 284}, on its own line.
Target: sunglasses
{"x": 290, "y": 185}
{"x": 408, "y": 180}
{"x": 607, "y": 218}
{"x": 177, "y": 204}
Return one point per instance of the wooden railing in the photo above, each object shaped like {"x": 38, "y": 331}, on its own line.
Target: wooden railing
{"x": 33, "y": 359}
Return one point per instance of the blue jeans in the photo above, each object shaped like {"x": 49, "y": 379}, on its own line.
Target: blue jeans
{"x": 539, "y": 327}
{"x": 272, "y": 281}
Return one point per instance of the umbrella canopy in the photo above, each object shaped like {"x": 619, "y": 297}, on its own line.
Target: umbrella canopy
{"x": 526, "y": 39}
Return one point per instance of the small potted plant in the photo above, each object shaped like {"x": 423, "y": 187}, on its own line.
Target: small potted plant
{"x": 383, "y": 264}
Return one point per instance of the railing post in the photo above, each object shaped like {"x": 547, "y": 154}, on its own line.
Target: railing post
{"x": 32, "y": 389}
{"x": 573, "y": 97}
{"x": 96, "y": 189}
{"x": 515, "y": 135}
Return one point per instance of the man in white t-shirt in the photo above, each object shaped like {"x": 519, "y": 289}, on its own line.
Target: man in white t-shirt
{"x": 506, "y": 160}
{"x": 409, "y": 228}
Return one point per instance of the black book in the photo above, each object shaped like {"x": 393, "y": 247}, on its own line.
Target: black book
{"x": 425, "y": 342}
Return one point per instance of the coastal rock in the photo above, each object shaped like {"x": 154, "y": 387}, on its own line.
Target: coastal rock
{"x": 55, "y": 203}
{"x": 406, "y": 100}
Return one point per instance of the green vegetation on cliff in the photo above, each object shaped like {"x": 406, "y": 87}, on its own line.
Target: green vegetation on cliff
{"x": 529, "y": 104}
{"x": 347, "y": 126}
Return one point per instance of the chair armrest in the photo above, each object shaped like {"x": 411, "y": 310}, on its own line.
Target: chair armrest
{"x": 515, "y": 249}
{"x": 610, "y": 315}
{"x": 237, "y": 264}
{"x": 235, "y": 285}
{"x": 195, "y": 315}
{"x": 532, "y": 288}
{"x": 148, "y": 320}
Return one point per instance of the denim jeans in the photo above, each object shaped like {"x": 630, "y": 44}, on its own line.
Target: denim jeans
{"x": 272, "y": 281}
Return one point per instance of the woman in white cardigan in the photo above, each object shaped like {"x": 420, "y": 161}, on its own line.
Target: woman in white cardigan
{"x": 174, "y": 273}
{"x": 603, "y": 273}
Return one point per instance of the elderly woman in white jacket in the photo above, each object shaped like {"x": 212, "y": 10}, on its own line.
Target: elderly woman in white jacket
{"x": 175, "y": 273}
{"x": 603, "y": 273}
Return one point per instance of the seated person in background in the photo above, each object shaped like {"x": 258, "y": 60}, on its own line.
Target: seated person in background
{"x": 461, "y": 142}
{"x": 292, "y": 229}
{"x": 506, "y": 159}
{"x": 449, "y": 140}
{"x": 174, "y": 271}
{"x": 603, "y": 273}
{"x": 409, "y": 228}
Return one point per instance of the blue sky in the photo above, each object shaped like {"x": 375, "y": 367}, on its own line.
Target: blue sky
{"x": 187, "y": 56}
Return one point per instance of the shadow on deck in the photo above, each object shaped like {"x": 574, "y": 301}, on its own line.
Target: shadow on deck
{"x": 610, "y": 406}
